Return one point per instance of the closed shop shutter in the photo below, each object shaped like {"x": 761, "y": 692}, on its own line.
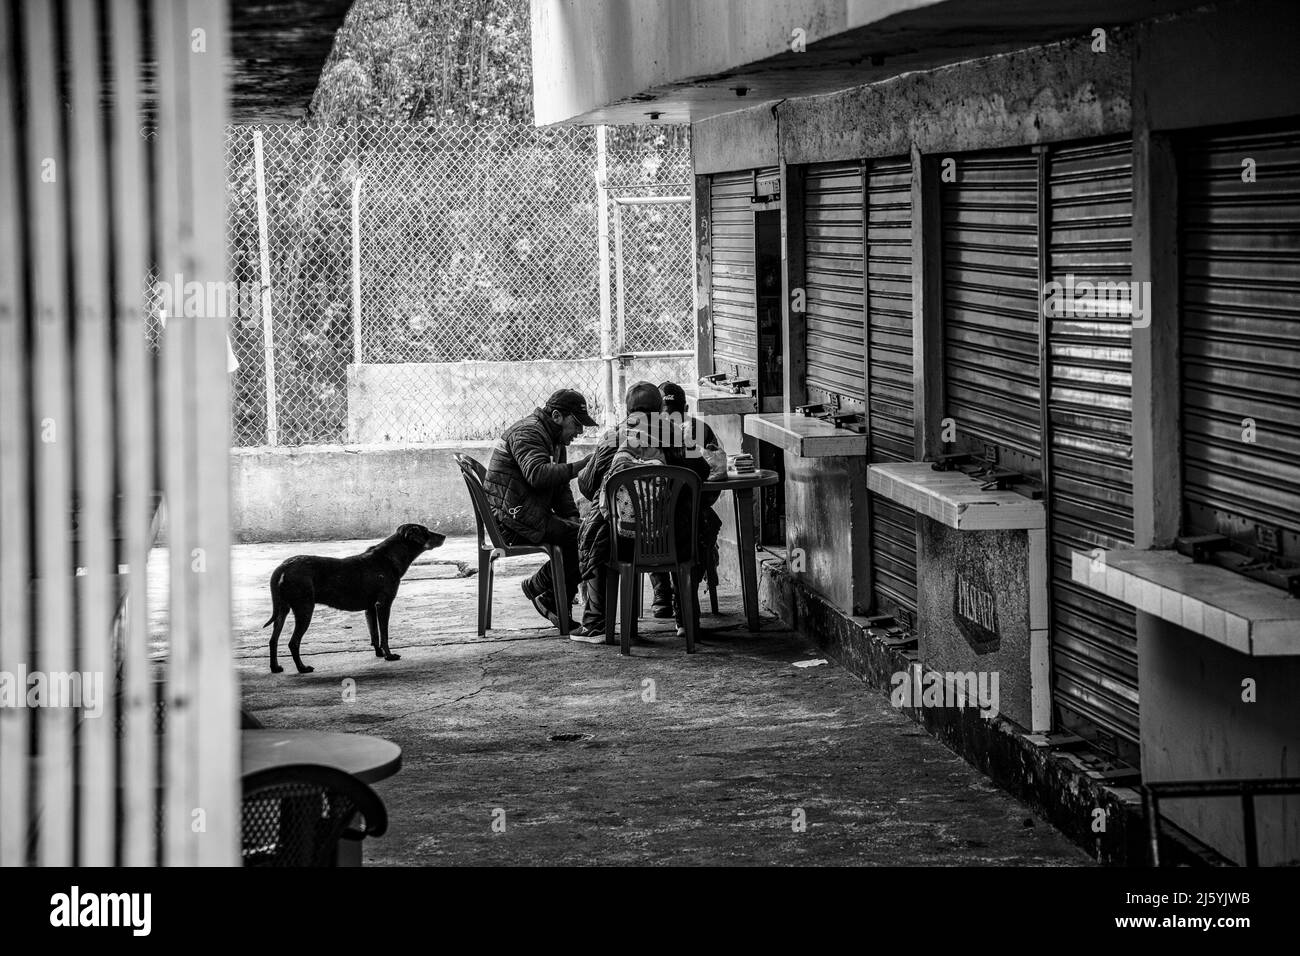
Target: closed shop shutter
{"x": 892, "y": 430}
{"x": 833, "y": 279}
{"x": 991, "y": 305}
{"x": 732, "y": 304}
{"x": 1090, "y": 409}
{"x": 1240, "y": 336}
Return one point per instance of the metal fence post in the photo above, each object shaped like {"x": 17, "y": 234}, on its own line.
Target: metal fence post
{"x": 268, "y": 339}
{"x": 602, "y": 252}
{"x": 620, "y": 314}
{"x": 356, "y": 270}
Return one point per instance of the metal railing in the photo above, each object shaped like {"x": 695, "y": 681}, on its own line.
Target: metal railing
{"x": 1246, "y": 790}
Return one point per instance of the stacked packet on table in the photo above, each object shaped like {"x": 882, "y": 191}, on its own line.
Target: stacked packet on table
{"x": 742, "y": 465}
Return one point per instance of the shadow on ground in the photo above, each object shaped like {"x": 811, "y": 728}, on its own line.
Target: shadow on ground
{"x": 707, "y": 758}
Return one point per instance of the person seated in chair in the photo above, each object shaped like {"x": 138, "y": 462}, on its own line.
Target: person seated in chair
{"x": 642, "y": 401}
{"x": 527, "y": 487}
{"x": 646, "y": 436}
{"x": 699, "y": 439}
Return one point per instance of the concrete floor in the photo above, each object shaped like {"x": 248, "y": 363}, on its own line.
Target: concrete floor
{"x": 703, "y": 759}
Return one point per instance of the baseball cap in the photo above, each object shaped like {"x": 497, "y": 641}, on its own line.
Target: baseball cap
{"x": 674, "y": 396}
{"x": 570, "y": 402}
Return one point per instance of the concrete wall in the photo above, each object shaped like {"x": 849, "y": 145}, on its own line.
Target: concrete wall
{"x": 827, "y": 518}
{"x": 1231, "y": 65}
{"x": 1051, "y": 93}
{"x": 1195, "y": 726}
{"x": 997, "y": 563}
{"x": 458, "y": 401}
{"x": 323, "y": 493}
{"x": 422, "y": 402}
{"x": 745, "y": 139}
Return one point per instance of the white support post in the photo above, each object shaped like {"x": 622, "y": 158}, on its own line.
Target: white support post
{"x": 356, "y": 270}
{"x": 602, "y": 252}
{"x": 268, "y": 339}
{"x": 620, "y": 339}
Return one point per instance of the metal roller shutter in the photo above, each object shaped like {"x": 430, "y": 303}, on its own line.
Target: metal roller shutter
{"x": 991, "y": 303}
{"x": 1240, "y": 325}
{"x": 1090, "y": 475}
{"x": 833, "y": 279}
{"x": 732, "y": 303}
{"x": 892, "y": 429}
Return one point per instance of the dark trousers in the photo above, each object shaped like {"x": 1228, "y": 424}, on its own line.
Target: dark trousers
{"x": 593, "y": 612}
{"x": 564, "y": 532}
{"x": 662, "y": 581}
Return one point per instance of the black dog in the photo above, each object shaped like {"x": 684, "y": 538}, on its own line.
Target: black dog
{"x": 364, "y": 582}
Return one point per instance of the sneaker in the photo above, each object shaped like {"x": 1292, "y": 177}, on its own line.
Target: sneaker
{"x": 587, "y": 635}
{"x": 681, "y": 631}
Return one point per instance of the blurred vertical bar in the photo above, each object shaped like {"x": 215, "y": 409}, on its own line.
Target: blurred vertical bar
{"x": 137, "y": 807}
{"x": 15, "y": 453}
{"x": 170, "y": 48}
{"x": 46, "y": 178}
{"x": 202, "y": 780}
{"x": 212, "y": 667}
{"x": 96, "y": 779}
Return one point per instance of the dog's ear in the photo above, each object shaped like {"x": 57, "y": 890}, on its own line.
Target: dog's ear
{"x": 413, "y": 532}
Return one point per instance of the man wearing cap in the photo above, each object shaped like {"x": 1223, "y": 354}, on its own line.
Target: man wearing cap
{"x": 527, "y": 487}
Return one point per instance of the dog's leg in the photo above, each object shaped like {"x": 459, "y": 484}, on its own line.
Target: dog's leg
{"x": 373, "y": 624}
{"x": 301, "y": 620}
{"x": 280, "y": 615}
{"x": 381, "y": 611}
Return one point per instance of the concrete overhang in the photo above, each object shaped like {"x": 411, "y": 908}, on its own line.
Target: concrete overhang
{"x": 619, "y": 61}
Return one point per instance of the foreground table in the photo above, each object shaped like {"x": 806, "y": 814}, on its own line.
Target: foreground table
{"x": 742, "y": 496}
{"x": 369, "y": 759}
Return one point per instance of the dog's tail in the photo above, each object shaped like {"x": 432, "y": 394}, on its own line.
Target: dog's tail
{"x": 276, "y": 604}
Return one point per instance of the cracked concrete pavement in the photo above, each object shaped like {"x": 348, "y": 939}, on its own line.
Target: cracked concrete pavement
{"x": 731, "y": 755}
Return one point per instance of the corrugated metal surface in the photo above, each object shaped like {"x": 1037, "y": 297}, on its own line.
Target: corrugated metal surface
{"x": 891, "y": 432}
{"x": 991, "y": 301}
{"x": 1090, "y": 407}
{"x": 732, "y": 303}
{"x": 833, "y": 278}
{"x": 1240, "y": 304}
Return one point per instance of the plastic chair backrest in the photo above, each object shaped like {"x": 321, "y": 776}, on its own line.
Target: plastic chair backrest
{"x": 295, "y": 815}
{"x": 654, "y": 492}
{"x": 488, "y": 532}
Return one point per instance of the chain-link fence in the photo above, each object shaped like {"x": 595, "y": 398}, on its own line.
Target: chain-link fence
{"x": 470, "y": 254}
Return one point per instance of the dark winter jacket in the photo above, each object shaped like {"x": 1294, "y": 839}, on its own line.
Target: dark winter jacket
{"x": 528, "y": 478}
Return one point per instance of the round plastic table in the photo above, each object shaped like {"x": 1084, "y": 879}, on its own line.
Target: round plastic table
{"x": 367, "y": 758}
